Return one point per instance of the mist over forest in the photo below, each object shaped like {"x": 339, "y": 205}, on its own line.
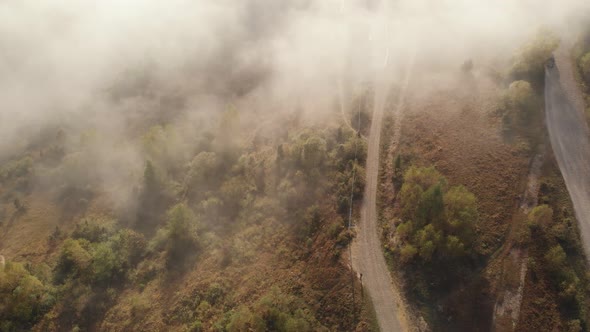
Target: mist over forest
{"x": 214, "y": 165}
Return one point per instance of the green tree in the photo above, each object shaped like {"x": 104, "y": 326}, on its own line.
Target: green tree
{"x": 425, "y": 177}
{"x": 129, "y": 245}
{"x": 555, "y": 258}
{"x": 23, "y": 297}
{"x": 439, "y": 223}
{"x": 105, "y": 264}
{"x": 313, "y": 152}
{"x": 151, "y": 199}
{"x": 431, "y": 207}
{"x": 178, "y": 237}
{"x": 427, "y": 240}
{"x": 74, "y": 260}
{"x": 407, "y": 253}
{"x": 410, "y": 197}
{"x": 461, "y": 213}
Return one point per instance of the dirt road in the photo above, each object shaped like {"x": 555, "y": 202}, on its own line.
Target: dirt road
{"x": 367, "y": 258}
{"x": 569, "y": 136}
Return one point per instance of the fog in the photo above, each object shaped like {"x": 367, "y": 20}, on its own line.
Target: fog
{"x": 105, "y": 66}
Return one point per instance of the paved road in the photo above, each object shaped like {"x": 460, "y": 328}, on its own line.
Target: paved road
{"x": 569, "y": 136}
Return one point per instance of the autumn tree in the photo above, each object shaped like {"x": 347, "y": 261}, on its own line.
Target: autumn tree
{"x": 437, "y": 222}
{"x": 24, "y": 299}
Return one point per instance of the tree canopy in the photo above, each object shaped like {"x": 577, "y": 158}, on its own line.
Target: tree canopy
{"x": 438, "y": 222}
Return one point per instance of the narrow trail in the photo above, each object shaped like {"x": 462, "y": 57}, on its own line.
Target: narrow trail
{"x": 508, "y": 303}
{"x": 569, "y": 135}
{"x": 367, "y": 256}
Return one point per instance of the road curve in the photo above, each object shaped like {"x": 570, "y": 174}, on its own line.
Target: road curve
{"x": 367, "y": 257}
{"x": 569, "y": 135}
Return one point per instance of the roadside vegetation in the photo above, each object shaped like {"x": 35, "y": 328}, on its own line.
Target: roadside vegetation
{"x": 557, "y": 274}
{"x": 454, "y": 233}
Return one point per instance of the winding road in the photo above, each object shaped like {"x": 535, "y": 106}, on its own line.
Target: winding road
{"x": 367, "y": 257}
{"x": 569, "y": 135}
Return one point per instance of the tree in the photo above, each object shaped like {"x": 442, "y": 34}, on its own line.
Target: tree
{"x": 555, "y": 258}
{"x": 407, "y": 253}
{"x": 106, "y": 265}
{"x": 425, "y": 177}
{"x": 461, "y": 213}
{"x": 179, "y": 236}
{"x": 204, "y": 170}
{"x": 74, "y": 260}
{"x": 24, "y": 299}
{"x": 94, "y": 228}
{"x": 427, "y": 240}
{"x": 151, "y": 199}
{"x": 431, "y": 207}
{"x": 129, "y": 245}
{"x": 410, "y": 197}
{"x": 313, "y": 152}
{"x": 438, "y": 223}
{"x": 150, "y": 180}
